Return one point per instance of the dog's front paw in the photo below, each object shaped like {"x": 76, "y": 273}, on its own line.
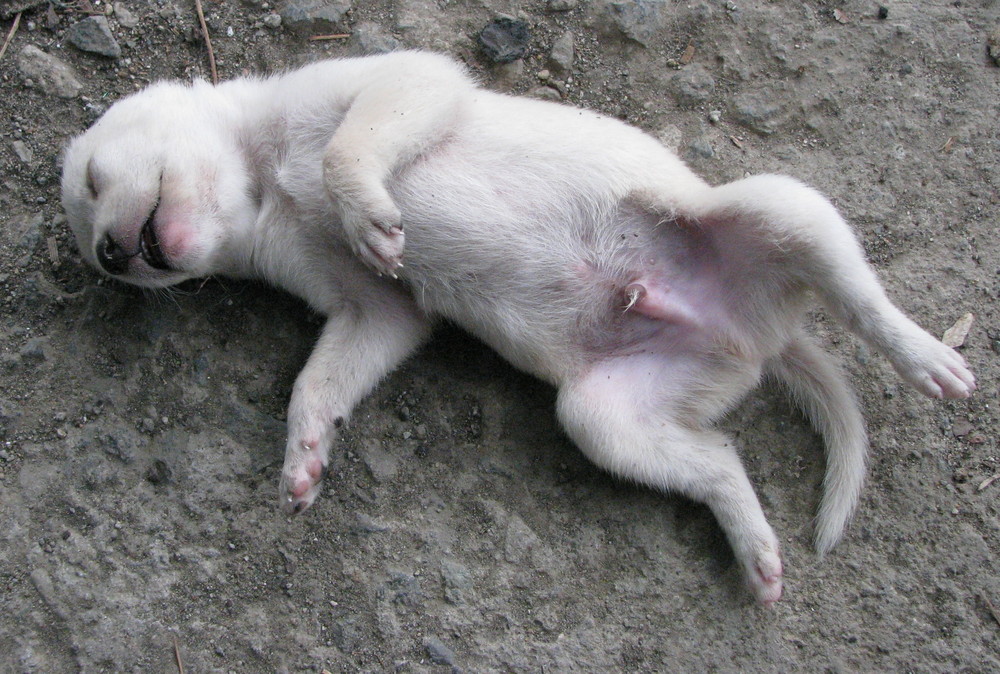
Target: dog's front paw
{"x": 301, "y": 480}
{"x": 377, "y": 239}
{"x": 936, "y": 370}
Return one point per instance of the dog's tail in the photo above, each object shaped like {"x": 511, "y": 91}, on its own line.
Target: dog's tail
{"x": 818, "y": 386}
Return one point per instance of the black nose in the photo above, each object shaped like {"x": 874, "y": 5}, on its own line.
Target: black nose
{"x": 112, "y": 257}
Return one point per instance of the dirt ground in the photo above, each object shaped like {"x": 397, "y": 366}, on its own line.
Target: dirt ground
{"x": 141, "y": 435}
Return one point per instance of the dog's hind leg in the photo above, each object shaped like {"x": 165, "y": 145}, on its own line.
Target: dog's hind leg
{"x": 783, "y": 222}
{"x": 818, "y": 386}
{"x": 624, "y": 415}
{"x": 407, "y": 106}
{"x": 358, "y": 346}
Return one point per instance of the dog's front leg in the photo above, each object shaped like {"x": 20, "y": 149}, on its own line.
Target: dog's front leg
{"x": 359, "y": 345}
{"x": 407, "y": 107}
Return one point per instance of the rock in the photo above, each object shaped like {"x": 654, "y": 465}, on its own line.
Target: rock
{"x": 93, "y": 34}
{"x": 505, "y": 40}
{"x": 758, "y": 113}
{"x": 272, "y": 20}
{"x": 545, "y": 94}
{"x": 48, "y": 73}
{"x": 126, "y": 19}
{"x": 693, "y": 85}
{"x": 701, "y": 148}
{"x": 456, "y": 579}
{"x": 369, "y": 38}
{"x": 314, "y": 16}
{"x": 563, "y": 53}
{"x": 638, "y": 20}
{"x": 382, "y": 465}
{"x": 438, "y": 652}
{"x": 22, "y": 151}
{"x": 9, "y": 8}
{"x": 34, "y": 349}
{"x": 993, "y": 46}
{"x": 561, "y": 5}
{"x": 158, "y": 472}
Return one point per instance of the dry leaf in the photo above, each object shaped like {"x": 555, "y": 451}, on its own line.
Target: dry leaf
{"x": 987, "y": 482}
{"x": 956, "y": 334}
{"x": 688, "y": 54}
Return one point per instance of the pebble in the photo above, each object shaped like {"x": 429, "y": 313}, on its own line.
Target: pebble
{"x": 272, "y": 20}
{"x": 22, "y": 151}
{"x": 563, "y": 53}
{"x": 504, "y": 39}
{"x": 638, "y": 20}
{"x": 561, "y": 5}
{"x": 757, "y": 112}
{"x": 693, "y": 85}
{"x": 93, "y": 34}
{"x": 48, "y": 73}
{"x": 126, "y": 19}
{"x": 369, "y": 38}
{"x": 314, "y": 16}
{"x": 439, "y": 653}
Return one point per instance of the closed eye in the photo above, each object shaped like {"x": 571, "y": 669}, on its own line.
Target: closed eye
{"x": 91, "y": 181}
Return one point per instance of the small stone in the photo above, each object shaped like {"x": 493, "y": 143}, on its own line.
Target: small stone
{"x": 545, "y": 94}
{"x": 638, "y": 20}
{"x": 701, "y": 148}
{"x": 367, "y": 525}
{"x": 272, "y": 20}
{"x": 126, "y": 19}
{"x": 159, "y": 472}
{"x": 693, "y": 85}
{"x": 758, "y": 112}
{"x": 369, "y": 38}
{"x": 93, "y": 34}
{"x": 563, "y": 53}
{"x": 382, "y": 465}
{"x": 48, "y": 73}
{"x": 715, "y": 116}
{"x": 22, "y": 151}
{"x": 561, "y": 5}
{"x": 34, "y": 349}
{"x": 993, "y": 46}
{"x": 961, "y": 427}
{"x": 504, "y": 39}
{"x": 438, "y": 652}
{"x": 314, "y": 16}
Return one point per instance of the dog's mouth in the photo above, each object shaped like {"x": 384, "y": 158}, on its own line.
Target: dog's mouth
{"x": 149, "y": 245}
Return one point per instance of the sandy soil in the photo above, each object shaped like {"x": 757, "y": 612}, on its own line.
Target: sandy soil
{"x": 141, "y": 434}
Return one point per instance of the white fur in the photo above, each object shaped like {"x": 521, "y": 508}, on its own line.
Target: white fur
{"x": 578, "y": 247}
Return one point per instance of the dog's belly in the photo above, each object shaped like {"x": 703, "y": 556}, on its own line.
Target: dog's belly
{"x": 548, "y": 278}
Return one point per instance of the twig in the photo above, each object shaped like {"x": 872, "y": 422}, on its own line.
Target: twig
{"x": 208, "y": 41}
{"x": 334, "y": 36}
{"x": 10, "y": 34}
{"x": 177, "y": 656}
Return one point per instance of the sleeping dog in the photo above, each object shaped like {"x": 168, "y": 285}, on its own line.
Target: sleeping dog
{"x": 390, "y": 191}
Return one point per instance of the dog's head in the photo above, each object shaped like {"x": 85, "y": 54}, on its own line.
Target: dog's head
{"x": 155, "y": 189}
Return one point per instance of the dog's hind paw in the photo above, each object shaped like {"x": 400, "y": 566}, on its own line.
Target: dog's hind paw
{"x": 300, "y": 483}
{"x": 764, "y": 578}
{"x": 936, "y": 370}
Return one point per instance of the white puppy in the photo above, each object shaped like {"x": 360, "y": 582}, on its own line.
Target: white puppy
{"x": 578, "y": 247}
